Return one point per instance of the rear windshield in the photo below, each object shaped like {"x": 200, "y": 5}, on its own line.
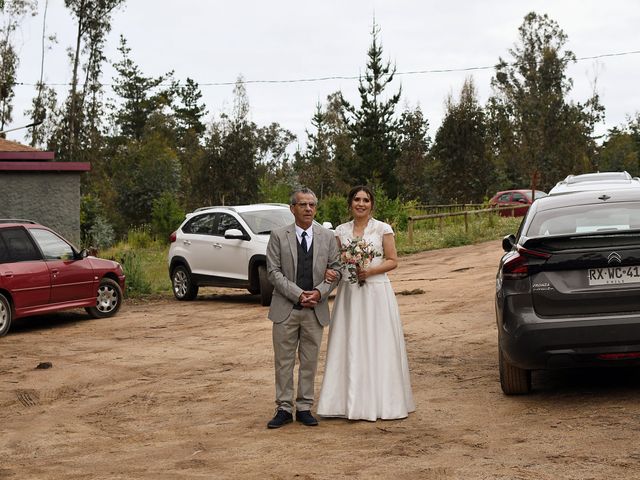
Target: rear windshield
{"x": 585, "y": 219}
{"x": 539, "y": 194}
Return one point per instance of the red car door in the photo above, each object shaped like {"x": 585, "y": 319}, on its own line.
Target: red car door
{"x": 71, "y": 279}
{"x": 23, "y": 273}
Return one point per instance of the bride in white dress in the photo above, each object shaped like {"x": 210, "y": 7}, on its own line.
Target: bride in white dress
{"x": 366, "y": 373}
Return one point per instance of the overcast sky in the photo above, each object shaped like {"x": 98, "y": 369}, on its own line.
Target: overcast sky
{"x": 215, "y": 41}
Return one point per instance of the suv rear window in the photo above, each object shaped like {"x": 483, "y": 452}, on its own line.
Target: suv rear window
{"x": 19, "y": 246}
{"x": 586, "y": 219}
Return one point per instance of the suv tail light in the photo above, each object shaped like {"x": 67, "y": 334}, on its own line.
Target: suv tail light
{"x": 518, "y": 266}
{"x": 172, "y": 237}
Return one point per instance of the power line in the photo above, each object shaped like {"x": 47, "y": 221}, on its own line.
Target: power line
{"x": 352, "y": 77}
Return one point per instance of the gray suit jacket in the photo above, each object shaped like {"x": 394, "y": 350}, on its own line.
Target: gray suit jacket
{"x": 282, "y": 263}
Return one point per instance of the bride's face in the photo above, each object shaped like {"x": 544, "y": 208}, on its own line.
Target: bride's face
{"x": 361, "y": 205}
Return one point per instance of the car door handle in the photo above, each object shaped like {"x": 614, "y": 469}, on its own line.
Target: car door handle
{"x": 217, "y": 245}
{"x": 7, "y": 274}
{"x": 54, "y": 272}
{"x": 186, "y": 242}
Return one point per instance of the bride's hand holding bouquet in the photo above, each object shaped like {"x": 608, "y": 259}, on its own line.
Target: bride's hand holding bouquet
{"x": 355, "y": 257}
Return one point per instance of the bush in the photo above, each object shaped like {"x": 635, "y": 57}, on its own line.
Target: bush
{"x": 166, "y": 216}
{"x": 137, "y": 283}
{"x": 139, "y": 237}
{"x": 333, "y": 208}
{"x": 101, "y": 234}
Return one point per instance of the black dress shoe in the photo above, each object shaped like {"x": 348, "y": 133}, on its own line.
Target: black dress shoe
{"x": 281, "y": 418}
{"x": 306, "y": 418}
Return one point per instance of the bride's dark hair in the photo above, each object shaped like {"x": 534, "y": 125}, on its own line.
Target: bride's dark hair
{"x": 360, "y": 188}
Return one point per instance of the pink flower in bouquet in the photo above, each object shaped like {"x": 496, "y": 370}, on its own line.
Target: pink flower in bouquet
{"x": 357, "y": 254}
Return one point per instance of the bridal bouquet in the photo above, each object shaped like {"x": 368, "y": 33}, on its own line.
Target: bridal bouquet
{"x": 357, "y": 254}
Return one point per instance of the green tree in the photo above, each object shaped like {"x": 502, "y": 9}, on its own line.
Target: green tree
{"x": 539, "y": 132}
{"x": 373, "y": 125}
{"x": 461, "y": 171}
{"x": 140, "y": 96}
{"x": 13, "y": 14}
{"x": 411, "y": 167}
{"x": 143, "y": 171}
{"x": 79, "y": 123}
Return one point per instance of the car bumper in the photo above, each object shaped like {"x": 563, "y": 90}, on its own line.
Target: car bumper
{"x": 532, "y": 342}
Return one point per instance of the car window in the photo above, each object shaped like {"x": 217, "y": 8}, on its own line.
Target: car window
{"x": 51, "y": 245}
{"x": 263, "y": 221}
{"x": 504, "y": 197}
{"x": 201, "y": 224}
{"x": 586, "y": 219}
{"x": 4, "y": 251}
{"x": 20, "y": 247}
{"x": 517, "y": 196}
{"x": 227, "y": 222}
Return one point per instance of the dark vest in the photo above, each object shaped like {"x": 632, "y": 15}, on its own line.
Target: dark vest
{"x": 304, "y": 273}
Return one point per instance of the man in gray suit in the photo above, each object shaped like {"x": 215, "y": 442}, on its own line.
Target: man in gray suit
{"x": 297, "y": 257}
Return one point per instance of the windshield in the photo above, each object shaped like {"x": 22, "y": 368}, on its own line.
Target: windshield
{"x": 586, "y": 219}
{"x": 538, "y": 194}
{"x": 261, "y": 222}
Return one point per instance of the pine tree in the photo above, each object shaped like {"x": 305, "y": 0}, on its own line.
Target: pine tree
{"x": 411, "y": 167}
{"x": 373, "y": 125}
{"x": 461, "y": 171}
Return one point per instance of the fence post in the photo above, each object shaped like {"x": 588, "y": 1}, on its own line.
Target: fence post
{"x": 466, "y": 223}
{"x": 410, "y": 231}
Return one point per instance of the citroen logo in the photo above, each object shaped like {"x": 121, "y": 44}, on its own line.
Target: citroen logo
{"x": 614, "y": 258}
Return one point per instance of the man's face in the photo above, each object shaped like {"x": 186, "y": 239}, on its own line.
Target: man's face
{"x": 304, "y": 209}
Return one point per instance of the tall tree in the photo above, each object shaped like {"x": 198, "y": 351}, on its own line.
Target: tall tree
{"x": 140, "y": 96}
{"x": 83, "y": 107}
{"x": 540, "y": 132}
{"x": 461, "y": 171}
{"x": 315, "y": 165}
{"x": 411, "y": 167}
{"x": 373, "y": 125}
{"x": 231, "y": 174}
{"x": 13, "y": 13}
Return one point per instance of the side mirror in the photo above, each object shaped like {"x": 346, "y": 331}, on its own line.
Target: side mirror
{"x": 84, "y": 253}
{"x": 508, "y": 242}
{"x": 234, "y": 234}
{"x": 327, "y": 225}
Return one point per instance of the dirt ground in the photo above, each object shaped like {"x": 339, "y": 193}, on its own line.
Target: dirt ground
{"x": 173, "y": 390}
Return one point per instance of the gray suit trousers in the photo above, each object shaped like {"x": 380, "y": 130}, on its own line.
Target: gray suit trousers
{"x": 301, "y": 331}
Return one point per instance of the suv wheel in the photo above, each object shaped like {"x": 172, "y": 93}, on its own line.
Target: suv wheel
{"x": 182, "y": 283}
{"x": 266, "y": 289}
{"x": 513, "y": 380}
{"x": 5, "y": 315}
{"x": 108, "y": 299}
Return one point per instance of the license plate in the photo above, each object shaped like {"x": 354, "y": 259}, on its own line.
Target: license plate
{"x": 613, "y": 275}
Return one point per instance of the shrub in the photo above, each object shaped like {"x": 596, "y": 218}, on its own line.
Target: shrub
{"x": 139, "y": 237}
{"x": 101, "y": 234}
{"x": 137, "y": 283}
{"x": 166, "y": 216}
{"x": 333, "y": 208}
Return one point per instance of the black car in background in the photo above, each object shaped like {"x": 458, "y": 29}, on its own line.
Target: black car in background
{"x": 568, "y": 286}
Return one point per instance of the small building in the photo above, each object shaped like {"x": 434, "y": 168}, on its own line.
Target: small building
{"x": 33, "y": 186}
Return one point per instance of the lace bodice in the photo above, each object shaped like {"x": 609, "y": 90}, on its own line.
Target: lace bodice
{"x": 373, "y": 233}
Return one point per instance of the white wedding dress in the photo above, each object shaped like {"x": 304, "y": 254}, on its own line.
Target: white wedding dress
{"x": 366, "y": 374}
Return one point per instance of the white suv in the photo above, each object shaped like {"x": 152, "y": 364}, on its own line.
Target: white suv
{"x": 225, "y": 247}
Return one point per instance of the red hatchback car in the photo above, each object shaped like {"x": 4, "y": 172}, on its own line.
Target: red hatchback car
{"x": 40, "y": 272}
{"x": 518, "y": 198}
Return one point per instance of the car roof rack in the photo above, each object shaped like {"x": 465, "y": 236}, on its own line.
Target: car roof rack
{"x": 215, "y": 206}
{"x": 16, "y": 220}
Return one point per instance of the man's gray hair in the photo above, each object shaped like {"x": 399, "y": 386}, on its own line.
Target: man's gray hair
{"x": 306, "y": 191}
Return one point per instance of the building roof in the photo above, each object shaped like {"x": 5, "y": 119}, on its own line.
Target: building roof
{"x": 13, "y": 151}
{"x": 11, "y": 146}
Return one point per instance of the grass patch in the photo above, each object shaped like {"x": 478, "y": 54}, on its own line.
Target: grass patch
{"x": 145, "y": 267}
{"x": 433, "y": 234}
